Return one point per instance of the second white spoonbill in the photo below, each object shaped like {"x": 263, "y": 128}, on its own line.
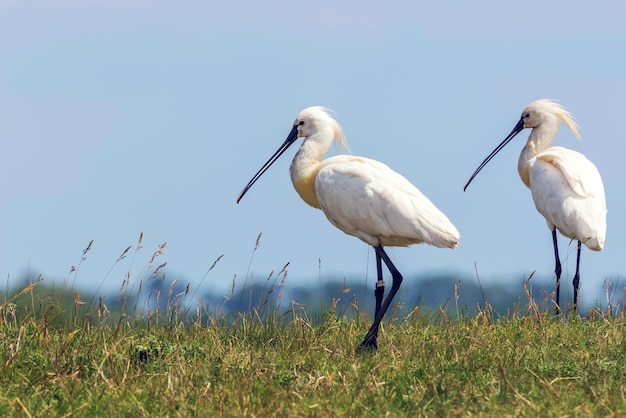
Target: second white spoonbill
{"x": 565, "y": 185}
{"x": 363, "y": 198}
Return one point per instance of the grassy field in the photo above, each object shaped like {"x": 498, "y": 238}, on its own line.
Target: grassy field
{"x": 62, "y": 356}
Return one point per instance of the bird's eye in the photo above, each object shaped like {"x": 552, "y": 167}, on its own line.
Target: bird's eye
{"x": 525, "y": 115}
{"x": 301, "y": 123}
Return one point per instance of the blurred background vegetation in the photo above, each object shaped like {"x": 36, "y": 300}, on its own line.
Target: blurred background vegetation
{"x": 155, "y": 296}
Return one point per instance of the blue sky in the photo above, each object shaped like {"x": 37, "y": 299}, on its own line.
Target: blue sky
{"x": 122, "y": 117}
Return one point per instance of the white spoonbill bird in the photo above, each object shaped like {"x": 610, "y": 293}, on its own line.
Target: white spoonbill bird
{"x": 362, "y": 197}
{"x": 565, "y": 185}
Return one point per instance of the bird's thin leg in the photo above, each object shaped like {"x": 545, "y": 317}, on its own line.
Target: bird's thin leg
{"x": 577, "y": 277}
{"x": 557, "y": 271}
{"x": 369, "y": 342}
{"x": 380, "y": 285}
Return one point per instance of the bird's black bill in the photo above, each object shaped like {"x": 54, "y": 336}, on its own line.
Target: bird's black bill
{"x": 293, "y": 135}
{"x": 518, "y": 128}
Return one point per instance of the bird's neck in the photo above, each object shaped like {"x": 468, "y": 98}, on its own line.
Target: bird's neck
{"x": 539, "y": 140}
{"x": 304, "y": 169}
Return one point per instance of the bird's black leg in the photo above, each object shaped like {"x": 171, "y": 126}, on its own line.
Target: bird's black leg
{"x": 369, "y": 342}
{"x": 380, "y": 285}
{"x": 557, "y": 271}
{"x": 577, "y": 277}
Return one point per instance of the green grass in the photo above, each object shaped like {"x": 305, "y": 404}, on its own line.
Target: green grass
{"x": 66, "y": 355}
{"x": 285, "y": 364}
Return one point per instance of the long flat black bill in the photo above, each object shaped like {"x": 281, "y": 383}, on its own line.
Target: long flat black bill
{"x": 515, "y": 131}
{"x": 293, "y": 135}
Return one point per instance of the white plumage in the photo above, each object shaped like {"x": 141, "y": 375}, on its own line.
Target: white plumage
{"x": 370, "y": 201}
{"x": 362, "y": 197}
{"x": 568, "y": 192}
{"x": 566, "y": 187}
